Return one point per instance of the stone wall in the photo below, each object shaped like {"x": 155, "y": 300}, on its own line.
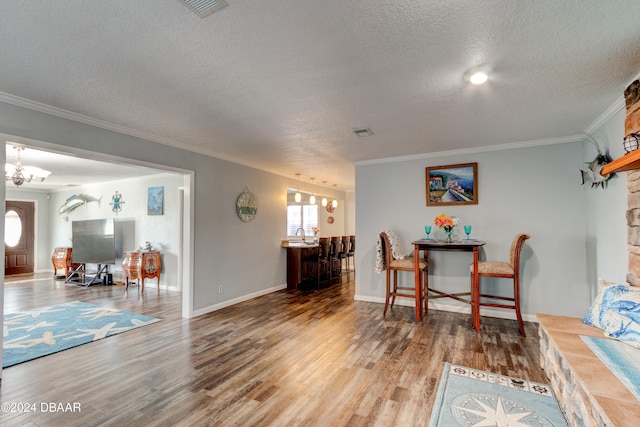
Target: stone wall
{"x": 632, "y": 102}
{"x": 632, "y": 125}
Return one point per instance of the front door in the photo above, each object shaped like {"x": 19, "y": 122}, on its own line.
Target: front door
{"x": 18, "y": 237}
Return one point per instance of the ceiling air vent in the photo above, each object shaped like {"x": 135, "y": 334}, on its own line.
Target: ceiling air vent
{"x": 204, "y": 8}
{"x": 362, "y": 132}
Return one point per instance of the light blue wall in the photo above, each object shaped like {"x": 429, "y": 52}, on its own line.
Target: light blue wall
{"x": 605, "y": 210}
{"x": 536, "y": 190}
{"x": 246, "y": 258}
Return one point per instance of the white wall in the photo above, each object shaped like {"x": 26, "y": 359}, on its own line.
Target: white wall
{"x": 350, "y": 214}
{"x": 162, "y": 231}
{"x": 534, "y": 190}
{"x": 605, "y": 210}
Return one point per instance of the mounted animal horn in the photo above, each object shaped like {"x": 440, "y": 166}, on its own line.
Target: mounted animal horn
{"x": 592, "y": 173}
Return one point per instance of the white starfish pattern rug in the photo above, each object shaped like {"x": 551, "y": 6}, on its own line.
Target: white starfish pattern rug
{"x": 469, "y": 397}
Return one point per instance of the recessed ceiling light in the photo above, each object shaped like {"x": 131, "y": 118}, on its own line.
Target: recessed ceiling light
{"x": 478, "y": 75}
{"x": 362, "y": 132}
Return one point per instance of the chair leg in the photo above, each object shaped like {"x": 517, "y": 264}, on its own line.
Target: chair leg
{"x": 516, "y": 296}
{"x": 395, "y": 287}
{"x": 386, "y": 302}
{"x": 473, "y": 313}
{"x": 425, "y": 290}
{"x": 348, "y": 271}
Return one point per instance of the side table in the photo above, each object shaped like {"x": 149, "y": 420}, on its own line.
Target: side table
{"x": 141, "y": 265}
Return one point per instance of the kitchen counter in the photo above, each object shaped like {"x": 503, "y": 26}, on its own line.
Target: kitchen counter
{"x": 297, "y": 251}
{"x": 298, "y": 244}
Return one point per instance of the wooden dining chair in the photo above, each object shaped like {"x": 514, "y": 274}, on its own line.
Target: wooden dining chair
{"x": 394, "y": 265}
{"x": 506, "y": 270}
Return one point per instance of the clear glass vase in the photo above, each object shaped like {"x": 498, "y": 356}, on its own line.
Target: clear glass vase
{"x": 448, "y": 238}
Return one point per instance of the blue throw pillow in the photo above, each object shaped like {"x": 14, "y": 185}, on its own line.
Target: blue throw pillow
{"x": 616, "y": 310}
{"x": 608, "y": 295}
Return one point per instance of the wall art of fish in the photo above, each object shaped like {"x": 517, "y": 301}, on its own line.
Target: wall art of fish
{"x": 74, "y": 201}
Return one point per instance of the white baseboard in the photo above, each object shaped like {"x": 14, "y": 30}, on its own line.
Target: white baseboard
{"x": 455, "y": 307}
{"x": 235, "y": 301}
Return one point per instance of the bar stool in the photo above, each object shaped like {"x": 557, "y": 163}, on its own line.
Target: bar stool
{"x": 405, "y": 264}
{"x": 334, "y": 257}
{"x": 506, "y": 270}
{"x": 344, "y": 248}
{"x": 320, "y": 262}
{"x": 350, "y": 252}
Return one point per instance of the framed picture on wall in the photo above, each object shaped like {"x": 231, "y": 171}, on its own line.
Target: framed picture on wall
{"x": 155, "y": 201}
{"x": 452, "y": 185}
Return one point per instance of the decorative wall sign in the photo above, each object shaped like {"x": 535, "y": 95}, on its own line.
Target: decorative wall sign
{"x": 116, "y": 202}
{"x": 155, "y": 201}
{"x": 452, "y": 185}
{"x": 246, "y": 205}
{"x": 330, "y": 208}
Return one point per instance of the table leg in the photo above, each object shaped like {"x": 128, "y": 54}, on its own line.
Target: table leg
{"x": 418, "y": 282}
{"x": 475, "y": 293}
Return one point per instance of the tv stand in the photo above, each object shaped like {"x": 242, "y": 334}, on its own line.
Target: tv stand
{"x": 81, "y": 276}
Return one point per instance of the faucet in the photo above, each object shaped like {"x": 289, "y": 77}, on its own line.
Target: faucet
{"x": 301, "y": 229}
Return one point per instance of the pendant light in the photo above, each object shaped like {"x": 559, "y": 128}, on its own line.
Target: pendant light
{"x": 335, "y": 201}
{"x": 324, "y": 199}
{"x": 312, "y": 198}
{"x": 19, "y": 173}
{"x": 298, "y": 196}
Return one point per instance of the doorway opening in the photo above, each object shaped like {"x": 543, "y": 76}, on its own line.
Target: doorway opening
{"x": 183, "y": 251}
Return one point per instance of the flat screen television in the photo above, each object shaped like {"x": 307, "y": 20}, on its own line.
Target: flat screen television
{"x": 100, "y": 241}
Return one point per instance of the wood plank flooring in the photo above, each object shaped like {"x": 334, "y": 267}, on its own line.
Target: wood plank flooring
{"x": 290, "y": 358}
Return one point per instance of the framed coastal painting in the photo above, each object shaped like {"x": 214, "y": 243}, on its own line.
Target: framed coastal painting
{"x": 155, "y": 201}
{"x": 452, "y": 185}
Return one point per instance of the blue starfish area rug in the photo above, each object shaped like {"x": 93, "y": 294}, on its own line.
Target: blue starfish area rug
{"x": 30, "y": 334}
{"x": 469, "y": 397}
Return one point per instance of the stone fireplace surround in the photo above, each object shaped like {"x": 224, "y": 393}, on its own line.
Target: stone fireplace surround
{"x": 632, "y": 125}
{"x": 588, "y": 391}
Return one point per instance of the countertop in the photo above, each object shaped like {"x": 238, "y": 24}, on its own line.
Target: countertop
{"x": 298, "y": 244}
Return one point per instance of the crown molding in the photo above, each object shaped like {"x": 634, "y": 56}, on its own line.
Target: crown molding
{"x": 80, "y": 118}
{"x": 448, "y": 153}
{"x": 618, "y": 105}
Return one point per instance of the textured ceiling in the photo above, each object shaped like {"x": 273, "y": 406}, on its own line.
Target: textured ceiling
{"x": 279, "y": 85}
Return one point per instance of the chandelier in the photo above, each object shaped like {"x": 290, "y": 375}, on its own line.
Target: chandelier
{"x": 19, "y": 174}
